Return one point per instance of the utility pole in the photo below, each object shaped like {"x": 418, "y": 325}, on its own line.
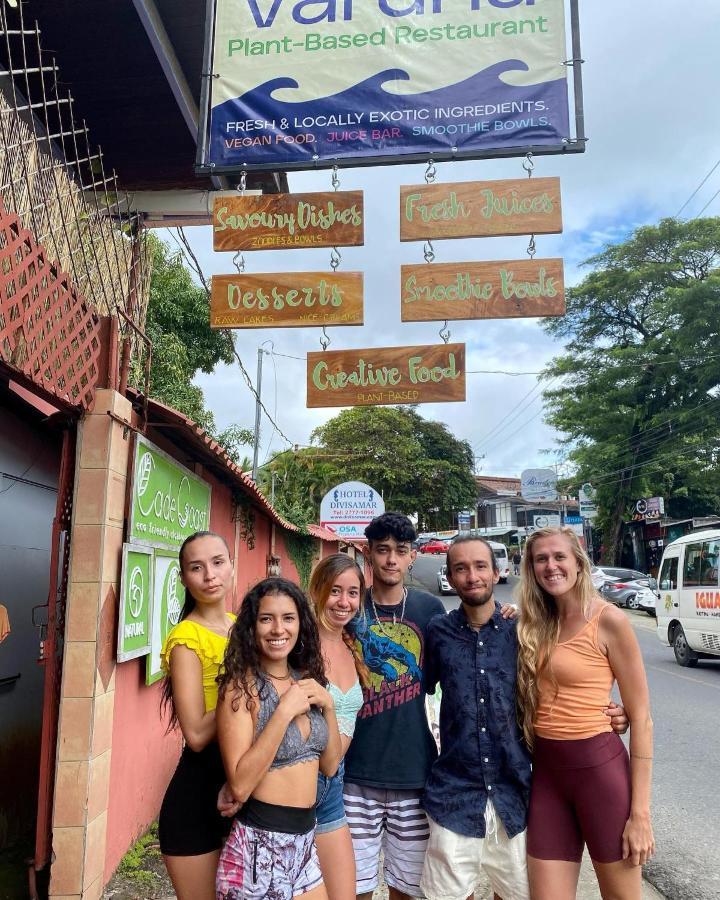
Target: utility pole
{"x": 256, "y": 442}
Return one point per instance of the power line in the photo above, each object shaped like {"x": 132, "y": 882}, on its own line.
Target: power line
{"x": 697, "y": 189}
{"x": 707, "y": 204}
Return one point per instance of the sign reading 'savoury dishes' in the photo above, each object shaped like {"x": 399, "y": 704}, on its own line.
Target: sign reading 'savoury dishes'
{"x": 349, "y": 507}
{"x": 297, "y": 82}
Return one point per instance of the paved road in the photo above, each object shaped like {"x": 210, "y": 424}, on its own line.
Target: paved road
{"x": 686, "y": 781}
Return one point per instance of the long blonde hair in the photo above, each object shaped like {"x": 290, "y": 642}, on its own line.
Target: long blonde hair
{"x": 323, "y": 578}
{"x": 539, "y": 623}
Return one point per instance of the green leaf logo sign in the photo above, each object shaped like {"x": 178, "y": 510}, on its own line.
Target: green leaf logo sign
{"x": 145, "y": 468}
{"x": 171, "y": 603}
{"x": 136, "y": 592}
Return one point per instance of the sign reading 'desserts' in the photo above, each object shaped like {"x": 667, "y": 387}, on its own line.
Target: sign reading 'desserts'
{"x": 273, "y": 221}
{"x": 297, "y": 81}
{"x": 488, "y": 290}
{"x": 382, "y": 375}
{"x": 169, "y": 502}
{"x": 348, "y": 508}
{"x": 480, "y": 209}
{"x": 286, "y": 299}
{"x": 135, "y": 603}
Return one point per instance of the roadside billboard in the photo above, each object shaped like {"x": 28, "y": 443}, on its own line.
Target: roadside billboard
{"x": 586, "y": 501}
{"x": 349, "y": 507}
{"x": 538, "y": 484}
{"x": 299, "y": 84}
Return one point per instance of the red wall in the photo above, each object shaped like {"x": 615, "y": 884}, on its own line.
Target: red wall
{"x": 143, "y": 756}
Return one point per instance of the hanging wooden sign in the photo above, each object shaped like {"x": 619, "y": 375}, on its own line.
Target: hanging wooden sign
{"x": 383, "y": 375}
{"x": 480, "y": 209}
{"x": 275, "y": 221}
{"x": 506, "y": 289}
{"x": 286, "y": 300}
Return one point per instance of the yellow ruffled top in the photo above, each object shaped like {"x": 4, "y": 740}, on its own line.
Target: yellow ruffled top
{"x": 210, "y": 650}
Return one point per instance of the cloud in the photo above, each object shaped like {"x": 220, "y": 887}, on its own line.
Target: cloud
{"x": 650, "y": 109}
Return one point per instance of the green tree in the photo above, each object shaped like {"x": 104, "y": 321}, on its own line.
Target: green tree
{"x": 638, "y": 402}
{"x": 417, "y": 465}
{"x": 178, "y": 325}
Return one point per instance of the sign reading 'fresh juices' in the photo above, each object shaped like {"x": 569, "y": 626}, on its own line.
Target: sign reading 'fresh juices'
{"x": 489, "y": 290}
{"x": 480, "y": 209}
{"x": 273, "y": 221}
{"x": 383, "y": 375}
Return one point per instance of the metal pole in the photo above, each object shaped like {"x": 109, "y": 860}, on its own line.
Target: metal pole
{"x": 272, "y": 489}
{"x": 256, "y": 442}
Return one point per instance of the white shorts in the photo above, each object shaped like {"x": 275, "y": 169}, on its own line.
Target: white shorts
{"x": 454, "y": 862}
{"x": 392, "y": 822}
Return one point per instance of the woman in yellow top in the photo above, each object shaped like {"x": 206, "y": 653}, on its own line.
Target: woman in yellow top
{"x": 573, "y": 646}
{"x": 192, "y": 831}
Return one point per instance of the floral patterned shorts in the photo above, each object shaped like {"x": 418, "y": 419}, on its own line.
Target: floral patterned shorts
{"x": 256, "y": 863}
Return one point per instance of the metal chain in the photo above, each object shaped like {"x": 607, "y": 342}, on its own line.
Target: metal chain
{"x": 532, "y": 249}
{"x": 335, "y": 258}
{"x": 239, "y": 262}
{"x": 430, "y": 171}
{"x": 445, "y": 332}
{"x": 429, "y": 252}
{"x": 324, "y": 339}
{"x": 335, "y": 180}
{"x": 528, "y": 164}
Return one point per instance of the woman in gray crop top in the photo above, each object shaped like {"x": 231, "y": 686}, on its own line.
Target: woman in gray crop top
{"x": 336, "y": 589}
{"x": 277, "y": 729}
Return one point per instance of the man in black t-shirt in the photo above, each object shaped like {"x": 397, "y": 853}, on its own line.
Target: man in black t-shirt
{"x": 393, "y": 749}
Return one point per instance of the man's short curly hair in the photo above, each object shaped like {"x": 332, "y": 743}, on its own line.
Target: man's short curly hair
{"x": 391, "y": 524}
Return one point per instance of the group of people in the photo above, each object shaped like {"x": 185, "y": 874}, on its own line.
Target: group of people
{"x": 308, "y": 755}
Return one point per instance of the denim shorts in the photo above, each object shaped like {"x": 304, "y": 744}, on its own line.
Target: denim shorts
{"x": 330, "y": 809}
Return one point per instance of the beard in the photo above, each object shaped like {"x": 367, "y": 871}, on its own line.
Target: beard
{"x": 478, "y": 599}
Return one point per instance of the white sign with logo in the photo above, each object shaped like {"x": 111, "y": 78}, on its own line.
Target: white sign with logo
{"x": 348, "y": 508}
{"x": 546, "y": 521}
{"x": 538, "y": 484}
{"x": 586, "y": 499}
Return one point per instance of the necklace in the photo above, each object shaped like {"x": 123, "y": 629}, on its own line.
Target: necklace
{"x": 277, "y": 677}
{"x": 377, "y": 617}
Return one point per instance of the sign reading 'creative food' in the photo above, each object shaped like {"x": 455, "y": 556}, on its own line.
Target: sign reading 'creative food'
{"x": 480, "y": 209}
{"x": 286, "y": 299}
{"x": 489, "y": 290}
{"x": 275, "y": 221}
{"x": 383, "y": 375}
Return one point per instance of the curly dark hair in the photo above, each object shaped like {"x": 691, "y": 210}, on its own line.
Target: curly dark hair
{"x": 391, "y": 524}
{"x": 241, "y": 671}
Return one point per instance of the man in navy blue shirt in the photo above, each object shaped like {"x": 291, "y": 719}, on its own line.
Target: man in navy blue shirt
{"x": 477, "y": 794}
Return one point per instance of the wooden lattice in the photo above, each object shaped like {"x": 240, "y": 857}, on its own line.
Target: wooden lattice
{"x": 48, "y": 330}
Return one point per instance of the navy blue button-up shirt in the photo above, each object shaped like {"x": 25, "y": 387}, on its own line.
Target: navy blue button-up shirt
{"x": 482, "y": 752}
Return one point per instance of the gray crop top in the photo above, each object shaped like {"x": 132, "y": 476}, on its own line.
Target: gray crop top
{"x": 293, "y": 749}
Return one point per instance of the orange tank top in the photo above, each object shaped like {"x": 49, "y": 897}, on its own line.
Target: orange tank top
{"x": 570, "y": 705}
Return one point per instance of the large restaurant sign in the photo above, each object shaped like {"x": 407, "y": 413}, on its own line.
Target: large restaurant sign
{"x": 292, "y": 83}
{"x": 382, "y": 375}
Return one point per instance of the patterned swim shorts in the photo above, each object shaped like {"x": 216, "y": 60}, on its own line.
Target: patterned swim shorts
{"x": 255, "y": 863}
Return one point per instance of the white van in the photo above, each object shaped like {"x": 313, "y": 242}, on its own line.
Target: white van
{"x": 688, "y": 611}
{"x": 501, "y": 558}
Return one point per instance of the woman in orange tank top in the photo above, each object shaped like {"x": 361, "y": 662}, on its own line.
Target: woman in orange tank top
{"x": 573, "y": 646}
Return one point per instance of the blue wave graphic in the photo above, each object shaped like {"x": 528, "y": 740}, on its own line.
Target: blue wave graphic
{"x": 533, "y": 114}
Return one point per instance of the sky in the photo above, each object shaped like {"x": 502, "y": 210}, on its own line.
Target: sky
{"x": 651, "y": 112}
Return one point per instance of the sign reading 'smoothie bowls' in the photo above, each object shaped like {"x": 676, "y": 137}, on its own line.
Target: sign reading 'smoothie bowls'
{"x": 383, "y": 375}
{"x": 287, "y": 221}
{"x": 505, "y": 289}
{"x": 286, "y": 299}
{"x": 169, "y": 502}
{"x": 480, "y": 209}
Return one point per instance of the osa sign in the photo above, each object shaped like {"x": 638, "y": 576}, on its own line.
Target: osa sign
{"x": 169, "y": 502}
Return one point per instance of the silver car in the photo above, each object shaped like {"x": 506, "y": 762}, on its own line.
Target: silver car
{"x": 444, "y": 586}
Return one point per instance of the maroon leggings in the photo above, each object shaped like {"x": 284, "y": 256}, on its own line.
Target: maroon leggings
{"x": 580, "y": 795}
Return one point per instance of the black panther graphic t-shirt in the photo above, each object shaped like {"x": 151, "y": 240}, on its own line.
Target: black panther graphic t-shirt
{"x": 393, "y": 747}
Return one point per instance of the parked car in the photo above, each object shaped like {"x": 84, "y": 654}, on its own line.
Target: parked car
{"x": 434, "y": 546}
{"x": 626, "y": 587}
{"x": 444, "y": 586}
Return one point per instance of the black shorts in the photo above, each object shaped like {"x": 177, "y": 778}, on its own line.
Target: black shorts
{"x": 190, "y": 824}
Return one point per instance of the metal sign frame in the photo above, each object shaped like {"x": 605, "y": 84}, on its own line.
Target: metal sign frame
{"x": 575, "y": 144}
